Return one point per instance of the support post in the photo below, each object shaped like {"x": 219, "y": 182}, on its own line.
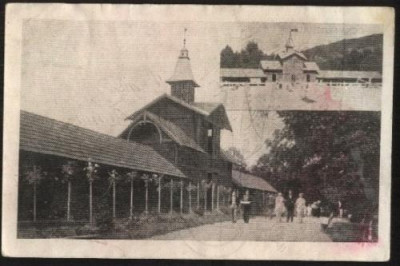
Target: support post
{"x": 263, "y": 196}
{"x": 212, "y": 197}
{"x": 146, "y": 206}
{"x": 190, "y": 197}
{"x": 90, "y": 204}
{"x": 159, "y": 194}
{"x": 198, "y": 194}
{"x": 69, "y": 202}
{"x": 181, "y": 200}
{"x": 114, "y": 213}
{"x": 131, "y": 202}
{"x": 171, "y": 195}
{"x": 217, "y": 198}
{"x": 34, "y": 201}
{"x": 205, "y": 198}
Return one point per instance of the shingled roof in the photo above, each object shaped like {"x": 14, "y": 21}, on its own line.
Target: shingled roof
{"x": 183, "y": 70}
{"x": 241, "y": 72}
{"x": 271, "y": 65}
{"x": 48, "y": 136}
{"x": 286, "y": 54}
{"x": 250, "y": 181}
{"x": 209, "y": 111}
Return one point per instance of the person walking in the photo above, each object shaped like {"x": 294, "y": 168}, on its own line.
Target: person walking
{"x": 246, "y": 206}
{"x": 316, "y": 209}
{"x": 300, "y": 207}
{"x": 289, "y": 202}
{"x": 279, "y": 206}
{"x": 234, "y": 206}
{"x": 271, "y": 206}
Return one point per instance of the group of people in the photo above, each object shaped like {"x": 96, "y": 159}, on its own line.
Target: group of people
{"x": 288, "y": 205}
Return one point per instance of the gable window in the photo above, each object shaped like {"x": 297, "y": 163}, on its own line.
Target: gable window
{"x": 273, "y": 77}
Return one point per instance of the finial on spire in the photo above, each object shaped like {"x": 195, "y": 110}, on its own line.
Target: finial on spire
{"x": 184, "y": 37}
{"x": 290, "y": 44}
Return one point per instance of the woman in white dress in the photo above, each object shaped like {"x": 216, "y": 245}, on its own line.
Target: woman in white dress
{"x": 301, "y": 207}
{"x": 279, "y": 206}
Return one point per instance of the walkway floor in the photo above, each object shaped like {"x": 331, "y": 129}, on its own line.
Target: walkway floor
{"x": 259, "y": 229}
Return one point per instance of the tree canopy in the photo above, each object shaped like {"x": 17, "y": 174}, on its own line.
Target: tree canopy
{"x": 327, "y": 155}
{"x": 247, "y": 58}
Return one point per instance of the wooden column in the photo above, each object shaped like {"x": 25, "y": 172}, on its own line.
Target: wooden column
{"x": 212, "y": 197}
{"x": 69, "y": 202}
{"x": 131, "y": 201}
{"x": 114, "y": 212}
{"x": 159, "y": 194}
{"x": 146, "y": 206}
{"x": 181, "y": 200}
{"x": 198, "y": 194}
{"x": 190, "y": 197}
{"x": 217, "y": 198}
{"x": 90, "y": 204}
{"x": 34, "y": 201}
{"x": 205, "y": 198}
{"x": 171, "y": 195}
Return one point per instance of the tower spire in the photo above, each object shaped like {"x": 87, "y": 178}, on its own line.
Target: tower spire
{"x": 290, "y": 43}
{"x": 182, "y": 81}
{"x": 184, "y": 38}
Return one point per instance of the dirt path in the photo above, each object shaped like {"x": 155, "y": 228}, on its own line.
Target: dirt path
{"x": 259, "y": 229}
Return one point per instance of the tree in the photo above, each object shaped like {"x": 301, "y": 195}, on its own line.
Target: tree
{"x": 34, "y": 176}
{"x": 235, "y": 155}
{"x": 249, "y": 57}
{"x": 68, "y": 170}
{"x": 316, "y": 152}
{"x": 91, "y": 174}
{"x": 228, "y": 58}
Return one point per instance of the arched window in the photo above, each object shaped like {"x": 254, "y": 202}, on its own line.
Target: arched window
{"x": 146, "y": 133}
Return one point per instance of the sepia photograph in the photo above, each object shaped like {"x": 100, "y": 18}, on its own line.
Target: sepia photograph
{"x": 199, "y": 132}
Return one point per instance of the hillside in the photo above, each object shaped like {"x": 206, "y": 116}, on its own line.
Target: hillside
{"x": 363, "y": 53}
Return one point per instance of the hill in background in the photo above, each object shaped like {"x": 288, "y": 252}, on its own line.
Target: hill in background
{"x": 364, "y": 54}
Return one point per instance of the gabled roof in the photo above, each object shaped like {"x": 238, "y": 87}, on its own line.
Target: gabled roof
{"x": 241, "y": 72}
{"x": 169, "y": 128}
{"x": 207, "y": 106}
{"x": 48, "y": 136}
{"x": 348, "y": 74}
{"x": 311, "y": 66}
{"x": 271, "y": 65}
{"x": 286, "y": 54}
{"x": 228, "y": 157}
{"x": 251, "y": 181}
{"x": 183, "y": 70}
{"x": 191, "y": 107}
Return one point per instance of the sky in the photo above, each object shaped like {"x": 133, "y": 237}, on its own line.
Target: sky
{"x": 95, "y": 73}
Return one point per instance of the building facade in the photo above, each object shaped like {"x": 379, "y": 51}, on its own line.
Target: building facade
{"x": 186, "y": 132}
{"x": 291, "y": 67}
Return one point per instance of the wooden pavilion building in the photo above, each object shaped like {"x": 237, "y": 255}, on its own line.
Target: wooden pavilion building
{"x": 167, "y": 160}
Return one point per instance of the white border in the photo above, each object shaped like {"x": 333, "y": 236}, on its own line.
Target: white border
{"x": 11, "y": 246}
